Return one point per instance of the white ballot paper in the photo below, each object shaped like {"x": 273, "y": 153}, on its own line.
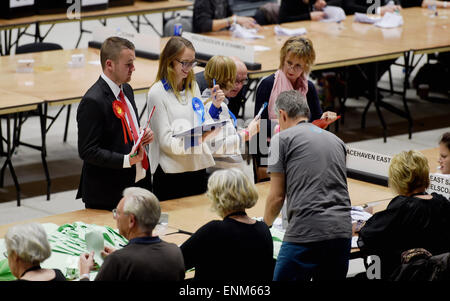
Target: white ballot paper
{"x": 333, "y": 14}
{"x": 281, "y": 31}
{"x": 363, "y": 18}
{"x": 245, "y": 33}
{"x": 95, "y": 242}
{"x": 390, "y": 20}
{"x": 199, "y": 130}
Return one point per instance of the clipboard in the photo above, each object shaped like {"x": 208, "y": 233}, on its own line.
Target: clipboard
{"x": 199, "y": 130}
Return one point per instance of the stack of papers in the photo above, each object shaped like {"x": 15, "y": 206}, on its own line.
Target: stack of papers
{"x": 280, "y": 31}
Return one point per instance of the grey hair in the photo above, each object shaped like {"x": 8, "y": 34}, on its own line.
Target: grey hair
{"x": 293, "y": 103}
{"x": 144, "y": 205}
{"x": 231, "y": 190}
{"x": 29, "y": 242}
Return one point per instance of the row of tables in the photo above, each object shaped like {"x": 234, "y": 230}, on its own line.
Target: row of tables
{"x": 139, "y": 10}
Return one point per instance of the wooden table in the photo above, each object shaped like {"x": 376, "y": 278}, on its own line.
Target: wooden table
{"x": 190, "y": 213}
{"x": 139, "y": 9}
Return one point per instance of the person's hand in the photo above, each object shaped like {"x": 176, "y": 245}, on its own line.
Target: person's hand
{"x": 247, "y": 22}
{"x": 107, "y": 251}
{"x": 253, "y": 128}
{"x": 389, "y": 8}
{"x": 86, "y": 263}
{"x": 148, "y": 137}
{"x": 135, "y": 158}
{"x": 317, "y": 15}
{"x": 329, "y": 116}
{"x": 320, "y": 4}
{"x": 208, "y": 135}
{"x": 217, "y": 96}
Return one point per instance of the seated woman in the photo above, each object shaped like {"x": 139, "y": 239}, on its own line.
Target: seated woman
{"x": 228, "y": 144}
{"x": 296, "y": 59}
{"x": 215, "y": 15}
{"x": 413, "y": 219}
{"x": 444, "y": 154}
{"x": 27, "y": 247}
{"x": 176, "y": 98}
{"x": 238, "y": 247}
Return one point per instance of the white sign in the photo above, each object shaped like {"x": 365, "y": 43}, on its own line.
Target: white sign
{"x": 213, "y": 46}
{"x": 369, "y": 162}
{"x": 439, "y": 183}
{"x": 20, "y": 3}
{"x": 142, "y": 41}
{"x": 93, "y": 2}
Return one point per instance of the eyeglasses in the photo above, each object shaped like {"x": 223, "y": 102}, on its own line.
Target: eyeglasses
{"x": 243, "y": 81}
{"x": 296, "y": 67}
{"x": 115, "y": 214}
{"x": 5, "y": 253}
{"x": 187, "y": 65}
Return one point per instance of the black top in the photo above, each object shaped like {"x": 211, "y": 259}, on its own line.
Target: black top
{"x": 297, "y": 10}
{"x": 59, "y": 276}
{"x": 407, "y": 223}
{"x": 230, "y": 250}
{"x": 205, "y": 11}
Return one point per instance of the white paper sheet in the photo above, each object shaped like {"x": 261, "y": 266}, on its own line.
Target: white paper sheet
{"x": 245, "y": 33}
{"x": 333, "y": 14}
{"x": 281, "y": 31}
{"x": 390, "y": 20}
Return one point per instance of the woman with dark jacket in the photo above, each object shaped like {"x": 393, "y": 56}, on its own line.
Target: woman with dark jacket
{"x": 413, "y": 219}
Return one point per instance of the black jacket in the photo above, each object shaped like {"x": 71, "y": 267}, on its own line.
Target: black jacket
{"x": 407, "y": 223}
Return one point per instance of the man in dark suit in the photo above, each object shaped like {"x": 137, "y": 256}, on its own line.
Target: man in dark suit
{"x": 105, "y": 142}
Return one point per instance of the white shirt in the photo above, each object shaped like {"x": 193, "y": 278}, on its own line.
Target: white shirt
{"x": 140, "y": 172}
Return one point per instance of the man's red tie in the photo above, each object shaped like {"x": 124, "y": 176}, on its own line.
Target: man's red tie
{"x": 135, "y": 133}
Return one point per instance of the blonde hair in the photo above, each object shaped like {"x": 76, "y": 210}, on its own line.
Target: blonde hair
{"x": 300, "y": 47}
{"x": 173, "y": 49}
{"x": 223, "y": 70}
{"x": 230, "y": 190}
{"x": 29, "y": 242}
{"x": 408, "y": 171}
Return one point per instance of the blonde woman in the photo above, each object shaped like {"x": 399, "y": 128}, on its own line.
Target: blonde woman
{"x": 413, "y": 219}
{"x": 227, "y": 146}
{"x": 27, "y": 247}
{"x": 296, "y": 60}
{"x": 237, "y": 247}
{"x": 180, "y": 161}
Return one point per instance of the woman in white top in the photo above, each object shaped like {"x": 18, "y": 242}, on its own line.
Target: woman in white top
{"x": 178, "y": 164}
{"x": 229, "y": 143}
